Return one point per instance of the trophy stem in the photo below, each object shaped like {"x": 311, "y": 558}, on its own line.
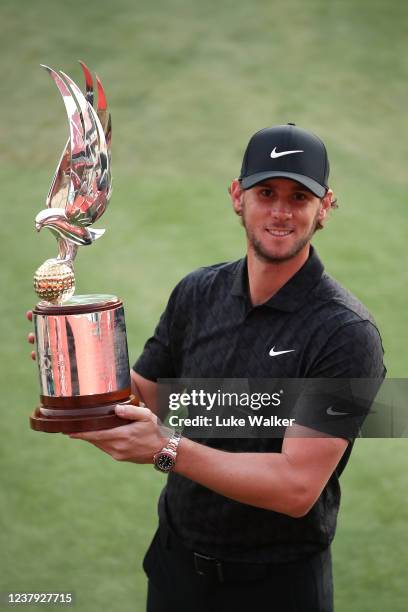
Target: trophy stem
{"x": 67, "y": 251}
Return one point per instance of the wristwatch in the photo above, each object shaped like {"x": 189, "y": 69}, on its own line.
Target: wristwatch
{"x": 165, "y": 460}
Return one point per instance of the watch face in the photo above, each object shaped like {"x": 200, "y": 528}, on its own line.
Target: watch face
{"x": 164, "y": 462}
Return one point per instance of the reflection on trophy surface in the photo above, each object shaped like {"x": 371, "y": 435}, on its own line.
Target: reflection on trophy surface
{"x": 81, "y": 340}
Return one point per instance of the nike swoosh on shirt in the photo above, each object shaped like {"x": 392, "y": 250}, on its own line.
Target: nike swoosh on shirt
{"x": 273, "y": 353}
{"x": 332, "y": 412}
{"x": 275, "y": 154}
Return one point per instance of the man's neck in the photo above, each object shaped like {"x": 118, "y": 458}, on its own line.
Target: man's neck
{"x": 266, "y": 278}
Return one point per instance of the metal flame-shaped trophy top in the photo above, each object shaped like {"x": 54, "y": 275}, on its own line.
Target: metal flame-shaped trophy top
{"x": 81, "y": 187}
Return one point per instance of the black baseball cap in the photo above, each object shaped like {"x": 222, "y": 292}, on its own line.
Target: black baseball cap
{"x": 286, "y": 151}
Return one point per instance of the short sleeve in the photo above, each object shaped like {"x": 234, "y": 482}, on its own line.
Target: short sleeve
{"x": 156, "y": 360}
{"x": 343, "y": 383}
{"x": 353, "y": 351}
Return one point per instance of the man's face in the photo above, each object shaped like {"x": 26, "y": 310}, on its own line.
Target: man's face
{"x": 280, "y": 217}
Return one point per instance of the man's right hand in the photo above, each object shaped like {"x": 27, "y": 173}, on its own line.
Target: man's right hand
{"x": 31, "y": 336}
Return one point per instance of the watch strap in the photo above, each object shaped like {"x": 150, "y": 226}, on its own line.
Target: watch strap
{"x": 173, "y": 443}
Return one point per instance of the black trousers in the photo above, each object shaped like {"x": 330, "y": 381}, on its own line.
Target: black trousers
{"x": 182, "y": 581}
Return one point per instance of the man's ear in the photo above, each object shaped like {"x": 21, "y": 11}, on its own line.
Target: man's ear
{"x": 325, "y": 206}
{"x": 236, "y": 192}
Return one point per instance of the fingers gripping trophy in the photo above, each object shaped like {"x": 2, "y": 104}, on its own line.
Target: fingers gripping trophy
{"x": 81, "y": 341}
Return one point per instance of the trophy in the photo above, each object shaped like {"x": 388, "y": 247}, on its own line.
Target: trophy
{"x": 81, "y": 341}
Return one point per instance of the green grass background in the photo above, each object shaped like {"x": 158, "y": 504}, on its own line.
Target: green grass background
{"x": 188, "y": 82}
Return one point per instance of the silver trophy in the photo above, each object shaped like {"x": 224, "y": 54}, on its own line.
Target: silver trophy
{"x": 81, "y": 342}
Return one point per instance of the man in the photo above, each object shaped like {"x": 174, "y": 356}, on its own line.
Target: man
{"x": 248, "y": 522}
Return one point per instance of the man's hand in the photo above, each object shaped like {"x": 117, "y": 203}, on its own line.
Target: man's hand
{"x": 137, "y": 442}
{"x": 31, "y": 337}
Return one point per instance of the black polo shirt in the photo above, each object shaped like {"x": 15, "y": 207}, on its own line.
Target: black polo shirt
{"x": 210, "y": 329}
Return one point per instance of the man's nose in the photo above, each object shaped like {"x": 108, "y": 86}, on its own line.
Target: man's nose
{"x": 280, "y": 209}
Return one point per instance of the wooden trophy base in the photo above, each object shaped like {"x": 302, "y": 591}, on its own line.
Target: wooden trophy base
{"x": 88, "y": 421}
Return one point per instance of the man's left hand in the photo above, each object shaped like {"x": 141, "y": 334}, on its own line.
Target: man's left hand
{"x": 137, "y": 442}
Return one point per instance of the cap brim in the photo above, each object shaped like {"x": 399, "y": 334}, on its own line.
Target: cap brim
{"x": 249, "y": 181}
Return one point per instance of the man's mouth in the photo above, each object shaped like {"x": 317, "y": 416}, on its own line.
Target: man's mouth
{"x": 278, "y": 233}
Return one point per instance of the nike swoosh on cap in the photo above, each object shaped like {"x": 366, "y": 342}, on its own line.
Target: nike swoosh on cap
{"x": 273, "y": 353}
{"x": 275, "y": 154}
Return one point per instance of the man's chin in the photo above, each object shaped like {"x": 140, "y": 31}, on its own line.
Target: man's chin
{"x": 276, "y": 258}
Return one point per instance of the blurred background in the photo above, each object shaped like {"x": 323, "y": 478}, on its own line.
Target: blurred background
{"x": 188, "y": 82}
